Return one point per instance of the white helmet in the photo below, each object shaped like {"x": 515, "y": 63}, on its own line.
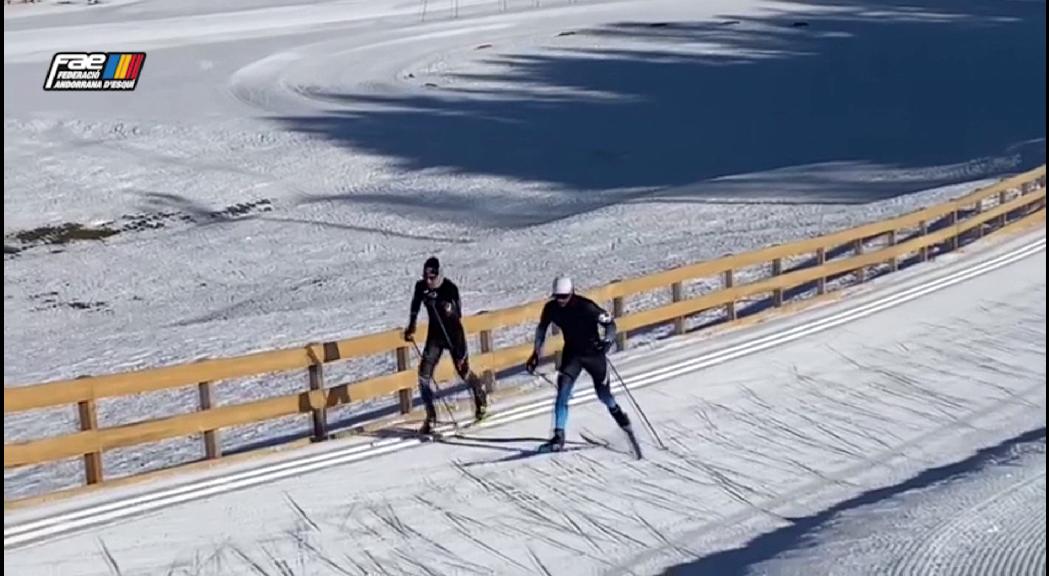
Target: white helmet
{"x": 562, "y": 286}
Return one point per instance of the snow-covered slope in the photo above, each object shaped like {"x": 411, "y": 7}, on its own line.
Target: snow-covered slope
{"x": 284, "y": 167}
{"x": 982, "y": 515}
{"x": 810, "y": 438}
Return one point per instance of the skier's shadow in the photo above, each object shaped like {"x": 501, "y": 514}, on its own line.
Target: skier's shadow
{"x": 527, "y": 453}
{"x": 515, "y": 453}
{"x": 492, "y": 443}
{"x": 489, "y": 442}
{"x": 498, "y": 443}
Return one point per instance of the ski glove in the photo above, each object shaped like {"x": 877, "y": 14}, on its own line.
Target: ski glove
{"x": 409, "y": 333}
{"x": 532, "y": 363}
{"x": 603, "y": 346}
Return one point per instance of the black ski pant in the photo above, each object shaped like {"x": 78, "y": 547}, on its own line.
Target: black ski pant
{"x": 572, "y": 365}
{"x": 431, "y": 355}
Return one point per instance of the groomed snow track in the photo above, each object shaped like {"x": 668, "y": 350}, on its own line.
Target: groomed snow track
{"x": 772, "y": 431}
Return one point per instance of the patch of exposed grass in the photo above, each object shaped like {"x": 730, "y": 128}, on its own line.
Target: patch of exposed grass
{"x": 71, "y": 232}
{"x": 63, "y": 234}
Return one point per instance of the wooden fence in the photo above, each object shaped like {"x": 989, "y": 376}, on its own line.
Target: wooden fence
{"x": 854, "y": 253}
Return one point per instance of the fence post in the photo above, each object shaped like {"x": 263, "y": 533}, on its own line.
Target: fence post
{"x": 88, "y": 422}
{"x": 894, "y": 263}
{"x": 861, "y": 272}
{"x": 730, "y": 307}
{"x": 953, "y": 242}
{"x": 777, "y": 294}
{"x": 618, "y": 311}
{"x": 923, "y": 230}
{"x": 979, "y": 227}
{"x": 677, "y": 294}
{"x": 404, "y": 394}
{"x": 486, "y": 346}
{"x": 1030, "y": 207}
{"x": 821, "y": 259}
{"x": 320, "y": 415}
{"x": 211, "y": 441}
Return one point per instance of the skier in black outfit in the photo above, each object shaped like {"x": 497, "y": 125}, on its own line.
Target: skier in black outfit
{"x": 578, "y": 318}
{"x": 445, "y": 332}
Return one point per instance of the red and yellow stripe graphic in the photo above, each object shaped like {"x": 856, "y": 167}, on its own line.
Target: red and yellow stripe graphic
{"x": 123, "y": 66}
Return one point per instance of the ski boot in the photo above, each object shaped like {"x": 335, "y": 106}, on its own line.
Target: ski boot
{"x": 480, "y": 398}
{"x": 555, "y": 444}
{"x": 620, "y": 417}
{"x": 624, "y": 423}
{"x": 480, "y": 406}
{"x": 427, "y": 428}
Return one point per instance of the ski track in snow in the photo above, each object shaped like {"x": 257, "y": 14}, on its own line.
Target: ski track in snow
{"x": 758, "y": 446}
{"x": 558, "y": 137}
{"x": 988, "y": 521}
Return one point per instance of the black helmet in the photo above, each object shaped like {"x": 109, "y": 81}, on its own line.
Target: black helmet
{"x": 432, "y": 266}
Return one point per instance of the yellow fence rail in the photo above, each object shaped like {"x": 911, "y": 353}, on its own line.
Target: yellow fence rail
{"x": 884, "y": 244}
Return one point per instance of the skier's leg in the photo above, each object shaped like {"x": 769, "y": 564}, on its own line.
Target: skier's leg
{"x": 566, "y": 377}
{"x": 597, "y": 367}
{"x": 462, "y": 366}
{"x": 565, "y": 383}
{"x": 431, "y": 354}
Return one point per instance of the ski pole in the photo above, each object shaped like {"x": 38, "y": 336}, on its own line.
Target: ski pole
{"x": 444, "y": 331}
{"x": 637, "y": 406}
{"x": 448, "y": 341}
{"x": 444, "y": 400}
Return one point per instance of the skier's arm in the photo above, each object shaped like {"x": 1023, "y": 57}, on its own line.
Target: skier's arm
{"x": 454, "y": 324}
{"x": 459, "y": 341}
{"x": 605, "y": 320}
{"x": 417, "y": 300}
{"x": 540, "y": 331}
{"x": 458, "y": 312}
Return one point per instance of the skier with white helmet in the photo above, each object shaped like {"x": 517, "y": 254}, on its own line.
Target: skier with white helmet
{"x": 579, "y": 318}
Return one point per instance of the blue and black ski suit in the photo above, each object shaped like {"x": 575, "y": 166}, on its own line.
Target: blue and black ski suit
{"x": 579, "y": 320}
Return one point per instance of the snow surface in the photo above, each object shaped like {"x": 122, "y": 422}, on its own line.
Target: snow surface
{"x": 284, "y": 167}
{"x": 984, "y": 515}
{"x": 846, "y": 424}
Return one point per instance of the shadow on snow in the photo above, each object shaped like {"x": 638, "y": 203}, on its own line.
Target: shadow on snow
{"x": 794, "y": 535}
{"x": 810, "y": 105}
